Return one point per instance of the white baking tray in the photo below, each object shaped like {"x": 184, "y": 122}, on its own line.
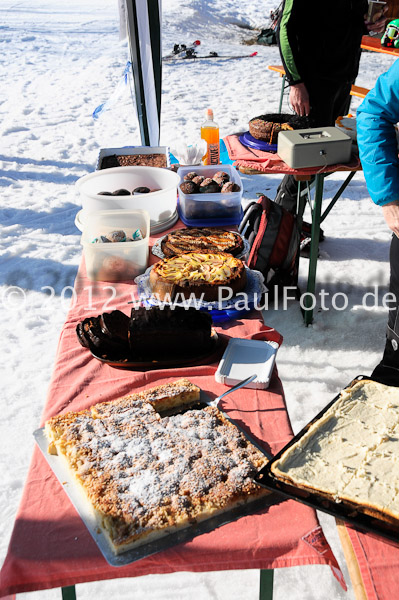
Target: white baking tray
{"x": 127, "y": 150}
{"x": 244, "y": 357}
{"x": 170, "y": 539}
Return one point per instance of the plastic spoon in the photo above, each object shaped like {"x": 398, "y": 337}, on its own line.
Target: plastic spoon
{"x": 233, "y": 389}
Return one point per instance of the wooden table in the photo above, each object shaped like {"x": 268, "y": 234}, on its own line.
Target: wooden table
{"x": 356, "y": 90}
{"x": 374, "y": 45}
{"x": 351, "y": 561}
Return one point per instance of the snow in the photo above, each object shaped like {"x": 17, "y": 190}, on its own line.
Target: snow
{"x": 58, "y": 62}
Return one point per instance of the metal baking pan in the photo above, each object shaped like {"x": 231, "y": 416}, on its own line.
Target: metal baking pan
{"x": 342, "y": 509}
{"x": 76, "y": 496}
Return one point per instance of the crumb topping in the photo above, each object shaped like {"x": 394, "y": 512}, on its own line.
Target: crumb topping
{"x": 145, "y": 472}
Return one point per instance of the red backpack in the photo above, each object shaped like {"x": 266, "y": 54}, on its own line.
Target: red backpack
{"x": 274, "y": 237}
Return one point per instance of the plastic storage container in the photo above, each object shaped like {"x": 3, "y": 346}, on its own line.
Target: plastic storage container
{"x": 115, "y": 261}
{"x": 242, "y": 358}
{"x": 210, "y": 210}
{"x": 161, "y": 205}
{"x": 109, "y": 180}
{"x": 133, "y": 150}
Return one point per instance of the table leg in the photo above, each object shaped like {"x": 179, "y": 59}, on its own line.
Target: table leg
{"x": 68, "y": 593}
{"x": 266, "y": 584}
{"x": 314, "y": 249}
{"x": 281, "y": 94}
{"x": 351, "y": 561}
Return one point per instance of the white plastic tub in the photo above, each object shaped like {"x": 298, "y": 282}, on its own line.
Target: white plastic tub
{"x": 161, "y": 205}
{"x": 116, "y": 261}
{"x": 242, "y": 358}
{"x": 202, "y": 210}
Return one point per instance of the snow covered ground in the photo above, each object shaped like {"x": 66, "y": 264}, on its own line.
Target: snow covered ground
{"x": 58, "y": 62}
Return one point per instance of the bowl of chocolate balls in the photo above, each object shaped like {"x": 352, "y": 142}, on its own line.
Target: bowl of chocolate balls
{"x": 131, "y": 188}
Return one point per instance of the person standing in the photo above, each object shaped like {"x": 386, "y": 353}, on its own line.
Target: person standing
{"x": 319, "y": 43}
{"x": 378, "y": 149}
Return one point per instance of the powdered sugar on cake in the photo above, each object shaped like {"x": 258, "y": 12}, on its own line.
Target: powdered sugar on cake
{"x": 145, "y": 473}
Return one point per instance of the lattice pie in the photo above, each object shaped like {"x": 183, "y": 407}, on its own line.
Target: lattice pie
{"x": 147, "y": 475}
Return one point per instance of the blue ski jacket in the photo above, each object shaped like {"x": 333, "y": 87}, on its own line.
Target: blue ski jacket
{"x": 376, "y": 137}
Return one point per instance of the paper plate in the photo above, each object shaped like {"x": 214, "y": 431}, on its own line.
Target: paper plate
{"x": 249, "y": 141}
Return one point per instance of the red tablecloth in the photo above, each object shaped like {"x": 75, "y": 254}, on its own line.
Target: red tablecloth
{"x": 270, "y": 162}
{"x": 50, "y": 546}
{"x": 378, "y": 563}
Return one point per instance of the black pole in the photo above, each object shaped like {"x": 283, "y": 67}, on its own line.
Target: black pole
{"x": 144, "y": 25}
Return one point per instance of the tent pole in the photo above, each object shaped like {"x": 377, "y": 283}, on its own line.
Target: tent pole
{"x": 144, "y": 33}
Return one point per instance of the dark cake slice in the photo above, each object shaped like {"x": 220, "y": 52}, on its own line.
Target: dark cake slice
{"x": 115, "y": 325}
{"x": 166, "y": 332}
{"x": 108, "y": 345}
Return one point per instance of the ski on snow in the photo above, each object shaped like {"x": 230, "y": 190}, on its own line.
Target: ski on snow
{"x": 196, "y": 56}
{"x": 181, "y": 50}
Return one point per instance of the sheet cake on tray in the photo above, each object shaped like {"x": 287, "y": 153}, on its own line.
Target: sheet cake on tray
{"x": 350, "y": 455}
{"x": 146, "y": 475}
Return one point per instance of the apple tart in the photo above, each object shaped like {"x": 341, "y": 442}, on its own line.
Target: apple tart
{"x": 199, "y": 273}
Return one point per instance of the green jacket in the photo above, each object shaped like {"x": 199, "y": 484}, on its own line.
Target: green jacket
{"x": 321, "y": 39}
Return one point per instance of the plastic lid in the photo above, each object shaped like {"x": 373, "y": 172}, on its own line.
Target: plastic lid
{"x": 209, "y": 114}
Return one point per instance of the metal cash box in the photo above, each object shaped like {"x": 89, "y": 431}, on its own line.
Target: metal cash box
{"x": 316, "y": 147}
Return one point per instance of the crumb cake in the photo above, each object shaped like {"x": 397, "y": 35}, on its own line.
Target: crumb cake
{"x": 351, "y": 454}
{"x": 145, "y": 475}
{"x": 201, "y": 239}
{"x": 199, "y": 273}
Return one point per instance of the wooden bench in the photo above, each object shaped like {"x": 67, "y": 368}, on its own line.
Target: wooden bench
{"x": 359, "y": 92}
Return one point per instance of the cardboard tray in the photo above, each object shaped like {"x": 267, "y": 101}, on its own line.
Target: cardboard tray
{"x": 76, "y": 496}
{"x": 341, "y": 510}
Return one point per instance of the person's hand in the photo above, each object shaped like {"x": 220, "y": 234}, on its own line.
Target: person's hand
{"x": 391, "y": 216}
{"x": 377, "y": 25}
{"x": 299, "y": 99}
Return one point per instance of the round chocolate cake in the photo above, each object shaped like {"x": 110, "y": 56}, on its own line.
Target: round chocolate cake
{"x": 267, "y": 127}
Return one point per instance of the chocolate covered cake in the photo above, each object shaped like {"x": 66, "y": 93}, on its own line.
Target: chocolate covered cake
{"x": 267, "y": 127}
{"x": 166, "y": 332}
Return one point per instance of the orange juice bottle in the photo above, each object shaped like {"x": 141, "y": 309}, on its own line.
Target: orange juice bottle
{"x": 210, "y": 133}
